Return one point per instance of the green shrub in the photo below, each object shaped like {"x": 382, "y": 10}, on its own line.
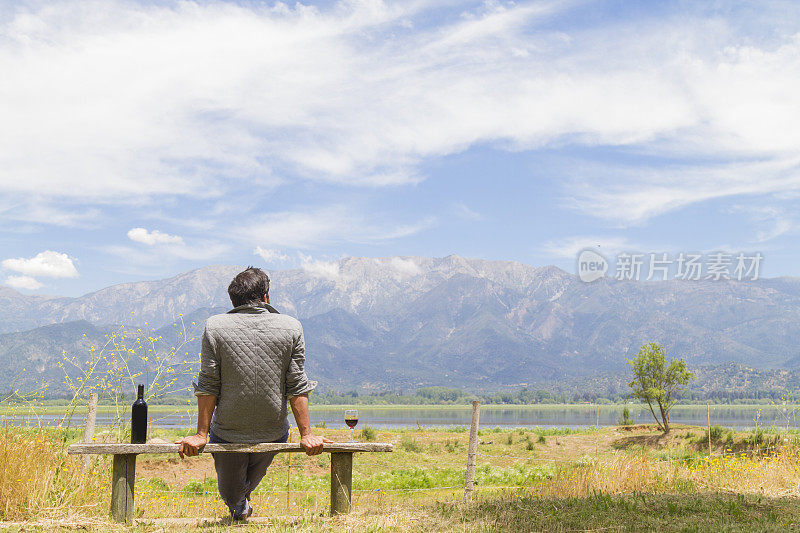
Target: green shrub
{"x": 412, "y": 478}
{"x": 541, "y": 439}
{"x": 518, "y": 475}
{"x": 530, "y": 446}
{"x": 716, "y": 433}
{"x": 510, "y": 440}
{"x": 410, "y": 445}
{"x": 453, "y": 446}
{"x": 368, "y": 434}
{"x": 756, "y": 438}
{"x": 729, "y": 440}
{"x": 626, "y": 417}
{"x": 555, "y": 432}
{"x": 678, "y": 454}
{"x": 207, "y": 486}
{"x": 156, "y": 483}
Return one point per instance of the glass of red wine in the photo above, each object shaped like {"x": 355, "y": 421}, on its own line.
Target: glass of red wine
{"x": 351, "y": 419}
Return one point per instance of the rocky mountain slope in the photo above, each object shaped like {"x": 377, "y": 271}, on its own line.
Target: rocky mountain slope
{"x": 404, "y": 322}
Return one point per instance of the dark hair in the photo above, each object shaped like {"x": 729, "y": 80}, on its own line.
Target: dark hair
{"x": 249, "y": 287}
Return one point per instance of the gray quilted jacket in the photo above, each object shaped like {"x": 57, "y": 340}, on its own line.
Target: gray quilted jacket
{"x": 252, "y": 360}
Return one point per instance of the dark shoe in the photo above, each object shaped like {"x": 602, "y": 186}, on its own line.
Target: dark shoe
{"x": 245, "y": 515}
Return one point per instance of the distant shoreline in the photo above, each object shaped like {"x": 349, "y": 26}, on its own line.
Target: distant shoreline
{"x": 26, "y": 410}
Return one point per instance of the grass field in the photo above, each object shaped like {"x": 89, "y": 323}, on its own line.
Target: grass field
{"x": 618, "y": 478}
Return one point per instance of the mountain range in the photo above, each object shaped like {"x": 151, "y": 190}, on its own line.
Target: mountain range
{"x": 399, "y": 323}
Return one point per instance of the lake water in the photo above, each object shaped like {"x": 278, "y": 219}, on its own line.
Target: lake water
{"x": 491, "y": 416}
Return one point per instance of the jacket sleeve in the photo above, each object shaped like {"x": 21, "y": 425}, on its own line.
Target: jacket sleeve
{"x": 297, "y": 381}
{"x": 208, "y": 380}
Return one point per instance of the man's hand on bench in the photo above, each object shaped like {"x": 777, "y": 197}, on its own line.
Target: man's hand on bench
{"x": 312, "y": 444}
{"x": 191, "y": 445}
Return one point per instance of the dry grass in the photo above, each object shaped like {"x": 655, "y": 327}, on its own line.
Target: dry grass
{"x": 775, "y": 475}
{"x": 38, "y": 479}
{"x": 499, "y": 513}
{"x": 616, "y": 474}
{"x": 628, "y": 512}
{"x": 42, "y": 487}
{"x": 393, "y": 519}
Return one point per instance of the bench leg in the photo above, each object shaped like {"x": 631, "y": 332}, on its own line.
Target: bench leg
{"x": 122, "y": 481}
{"x": 341, "y": 482}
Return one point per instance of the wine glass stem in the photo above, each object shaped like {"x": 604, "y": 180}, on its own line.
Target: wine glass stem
{"x": 351, "y": 434}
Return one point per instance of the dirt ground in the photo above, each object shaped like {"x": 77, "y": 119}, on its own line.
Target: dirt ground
{"x": 614, "y": 438}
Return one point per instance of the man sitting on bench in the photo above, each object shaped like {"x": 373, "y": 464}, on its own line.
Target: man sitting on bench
{"x": 252, "y": 360}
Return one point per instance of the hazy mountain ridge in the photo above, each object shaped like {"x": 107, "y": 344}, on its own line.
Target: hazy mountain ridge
{"x": 404, "y": 322}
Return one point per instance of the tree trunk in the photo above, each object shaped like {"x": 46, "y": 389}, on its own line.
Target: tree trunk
{"x": 654, "y": 414}
{"x": 664, "y": 418}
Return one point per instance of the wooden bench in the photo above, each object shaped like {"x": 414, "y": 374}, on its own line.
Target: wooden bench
{"x": 124, "y": 471}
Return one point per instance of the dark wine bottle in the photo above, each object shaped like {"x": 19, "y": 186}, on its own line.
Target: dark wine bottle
{"x": 139, "y": 419}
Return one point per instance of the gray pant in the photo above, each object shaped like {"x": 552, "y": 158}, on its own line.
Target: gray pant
{"x": 238, "y": 474}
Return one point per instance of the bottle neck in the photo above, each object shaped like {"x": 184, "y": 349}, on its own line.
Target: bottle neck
{"x": 141, "y": 392}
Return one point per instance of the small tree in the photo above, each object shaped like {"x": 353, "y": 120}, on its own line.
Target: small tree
{"x": 656, "y": 382}
{"x": 125, "y": 359}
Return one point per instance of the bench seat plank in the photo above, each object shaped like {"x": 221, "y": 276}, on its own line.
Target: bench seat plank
{"x": 278, "y": 447}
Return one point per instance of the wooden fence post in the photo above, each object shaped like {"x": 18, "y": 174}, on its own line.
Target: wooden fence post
{"x": 472, "y": 452}
{"x": 708, "y": 416}
{"x": 341, "y": 482}
{"x": 88, "y": 428}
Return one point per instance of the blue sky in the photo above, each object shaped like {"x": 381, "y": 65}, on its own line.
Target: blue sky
{"x": 139, "y": 140}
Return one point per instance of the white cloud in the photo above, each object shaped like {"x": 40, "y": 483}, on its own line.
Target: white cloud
{"x": 464, "y": 212}
{"x": 270, "y": 255}
{"x": 204, "y": 250}
{"x": 358, "y": 93}
{"x": 780, "y": 226}
{"x": 323, "y": 269}
{"x": 626, "y": 196}
{"x": 770, "y": 221}
{"x": 404, "y": 267}
{"x": 37, "y": 211}
{"x": 395, "y": 267}
{"x": 197, "y": 98}
{"x": 328, "y": 225}
{"x": 151, "y": 238}
{"x": 568, "y": 248}
{"x": 23, "y": 282}
{"x": 47, "y": 264}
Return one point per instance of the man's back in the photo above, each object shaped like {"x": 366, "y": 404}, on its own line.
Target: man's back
{"x": 252, "y": 362}
{"x": 253, "y": 358}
